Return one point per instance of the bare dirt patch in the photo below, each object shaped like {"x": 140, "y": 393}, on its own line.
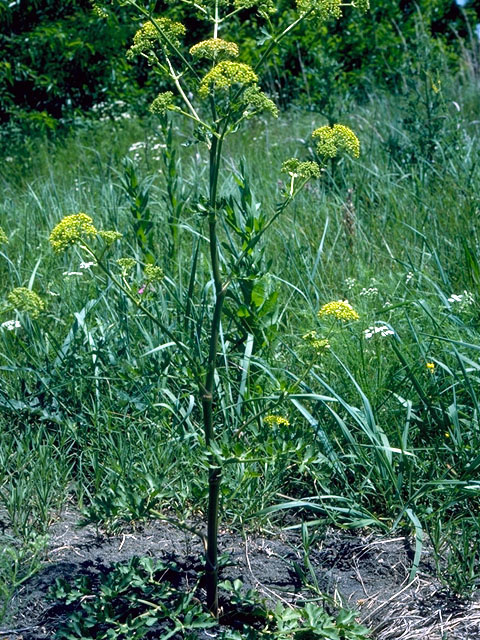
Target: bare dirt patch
{"x": 366, "y": 572}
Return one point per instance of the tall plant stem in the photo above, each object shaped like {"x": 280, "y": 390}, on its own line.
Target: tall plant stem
{"x": 215, "y": 472}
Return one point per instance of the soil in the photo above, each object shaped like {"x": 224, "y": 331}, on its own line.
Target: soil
{"x": 366, "y": 572}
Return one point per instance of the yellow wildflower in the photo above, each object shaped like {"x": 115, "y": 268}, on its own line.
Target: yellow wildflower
{"x": 153, "y": 273}
{"x": 71, "y": 230}
{"x": 214, "y": 48}
{"x": 431, "y": 367}
{"x": 23, "y": 299}
{"x": 297, "y": 169}
{"x": 149, "y": 36}
{"x": 363, "y": 5}
{"x": 320, "y": 9}
{"x": 162, "y": 103}
{"x": 109, "y": 237}
{"x": 319, "y": 344}
{"x": 339, "y": 309}
{"x": 256, "y": 101}
{"x": 126, "y": 265}
{"x": 226, "y": 74}
{"x": 276, "y": 420}
{"x": 331, "y": 140}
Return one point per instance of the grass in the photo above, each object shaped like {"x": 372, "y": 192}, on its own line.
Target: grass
{"x": 96, "y": 407}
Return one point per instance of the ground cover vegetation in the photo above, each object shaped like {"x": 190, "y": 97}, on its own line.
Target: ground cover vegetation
{"x": 335, "y": 379}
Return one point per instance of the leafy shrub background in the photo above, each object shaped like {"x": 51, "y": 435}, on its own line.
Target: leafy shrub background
{"x": 60, "y": 59}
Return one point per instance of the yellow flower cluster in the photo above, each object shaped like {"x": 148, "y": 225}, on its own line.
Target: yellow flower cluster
{"x": 318, "y": 344}
{"x": 214, "y": 48}
{"x": 339, "y": 309}
{"x": 256, "y": 101}
{"x": 363, "y": 5}
{"x": 331, "y": 140}
{"x": 23, "y": 299}
{"x": 150, "y": 34}
{"x": 126, "y": 265}
{"x": 297, "y": 169}
{"x": 265, "y": 7}
{"x": 153, "y": 273}
{"x": 274, "y": 419}
{"x": 162, "y": 103}
{"x": 99, "y": 11}
{"x": 226, "y": 74}
{"x": 70, "y": 230}
{"x": 320, "y": 9}
{"x": 109, "y": 237}
{"x": 3, "y": 237}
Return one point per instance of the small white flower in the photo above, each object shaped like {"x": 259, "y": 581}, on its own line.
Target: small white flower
{"x": 383, "y": 330}
{"x": 462, "y": 301}
{"x": 158, "y": 146}
{"x": 10, "y": 325}
{"x": 371, "y": 292}
{"x": 136, "y": 145}
{"x": 67, "y": 274}
{"x": 409, "y": 277}
{"x": 350, "y": 283}
{"x": 86, "y": 265}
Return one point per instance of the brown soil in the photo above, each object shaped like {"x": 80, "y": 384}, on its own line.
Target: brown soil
{"x": 368, "y": 573}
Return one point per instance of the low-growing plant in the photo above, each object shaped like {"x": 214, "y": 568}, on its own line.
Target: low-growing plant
{"x": 18, "y": 563}
{"x": 143, "y": 597}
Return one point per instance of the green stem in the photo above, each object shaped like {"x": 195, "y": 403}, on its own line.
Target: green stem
{"x": 207, "y": 389}
{"x": 277, "y": 39}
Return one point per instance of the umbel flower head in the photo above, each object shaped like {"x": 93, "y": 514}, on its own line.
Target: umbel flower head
{"x": 226, "y": 74}
{"x": 162, "y": 103}
{"x": 331, "y": 140}
{"x": 324, "y": 9}
{"x": 99, "y": 11}
{"x": 109, "y": 237}
{"x": 297, "y": 169}
{"x": 71, "y": 230}
{"x": 214, "y": 49}
{"x": 363, "y": 5}
{"x": 318, "y": 344}
{"x": 265, "y": 7}
{"x": 149, "y": 36}
{"x": 320, "y": 9}
{"x": 3, "y": 237}
{"x": 340, "y": 310}
{"x": 276, "y": 420}
{"x": 153, "y": 273}
{"x": 256, "y": 101}
{"x": 23, "y": 299}
{"x": 126, "y": 265}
